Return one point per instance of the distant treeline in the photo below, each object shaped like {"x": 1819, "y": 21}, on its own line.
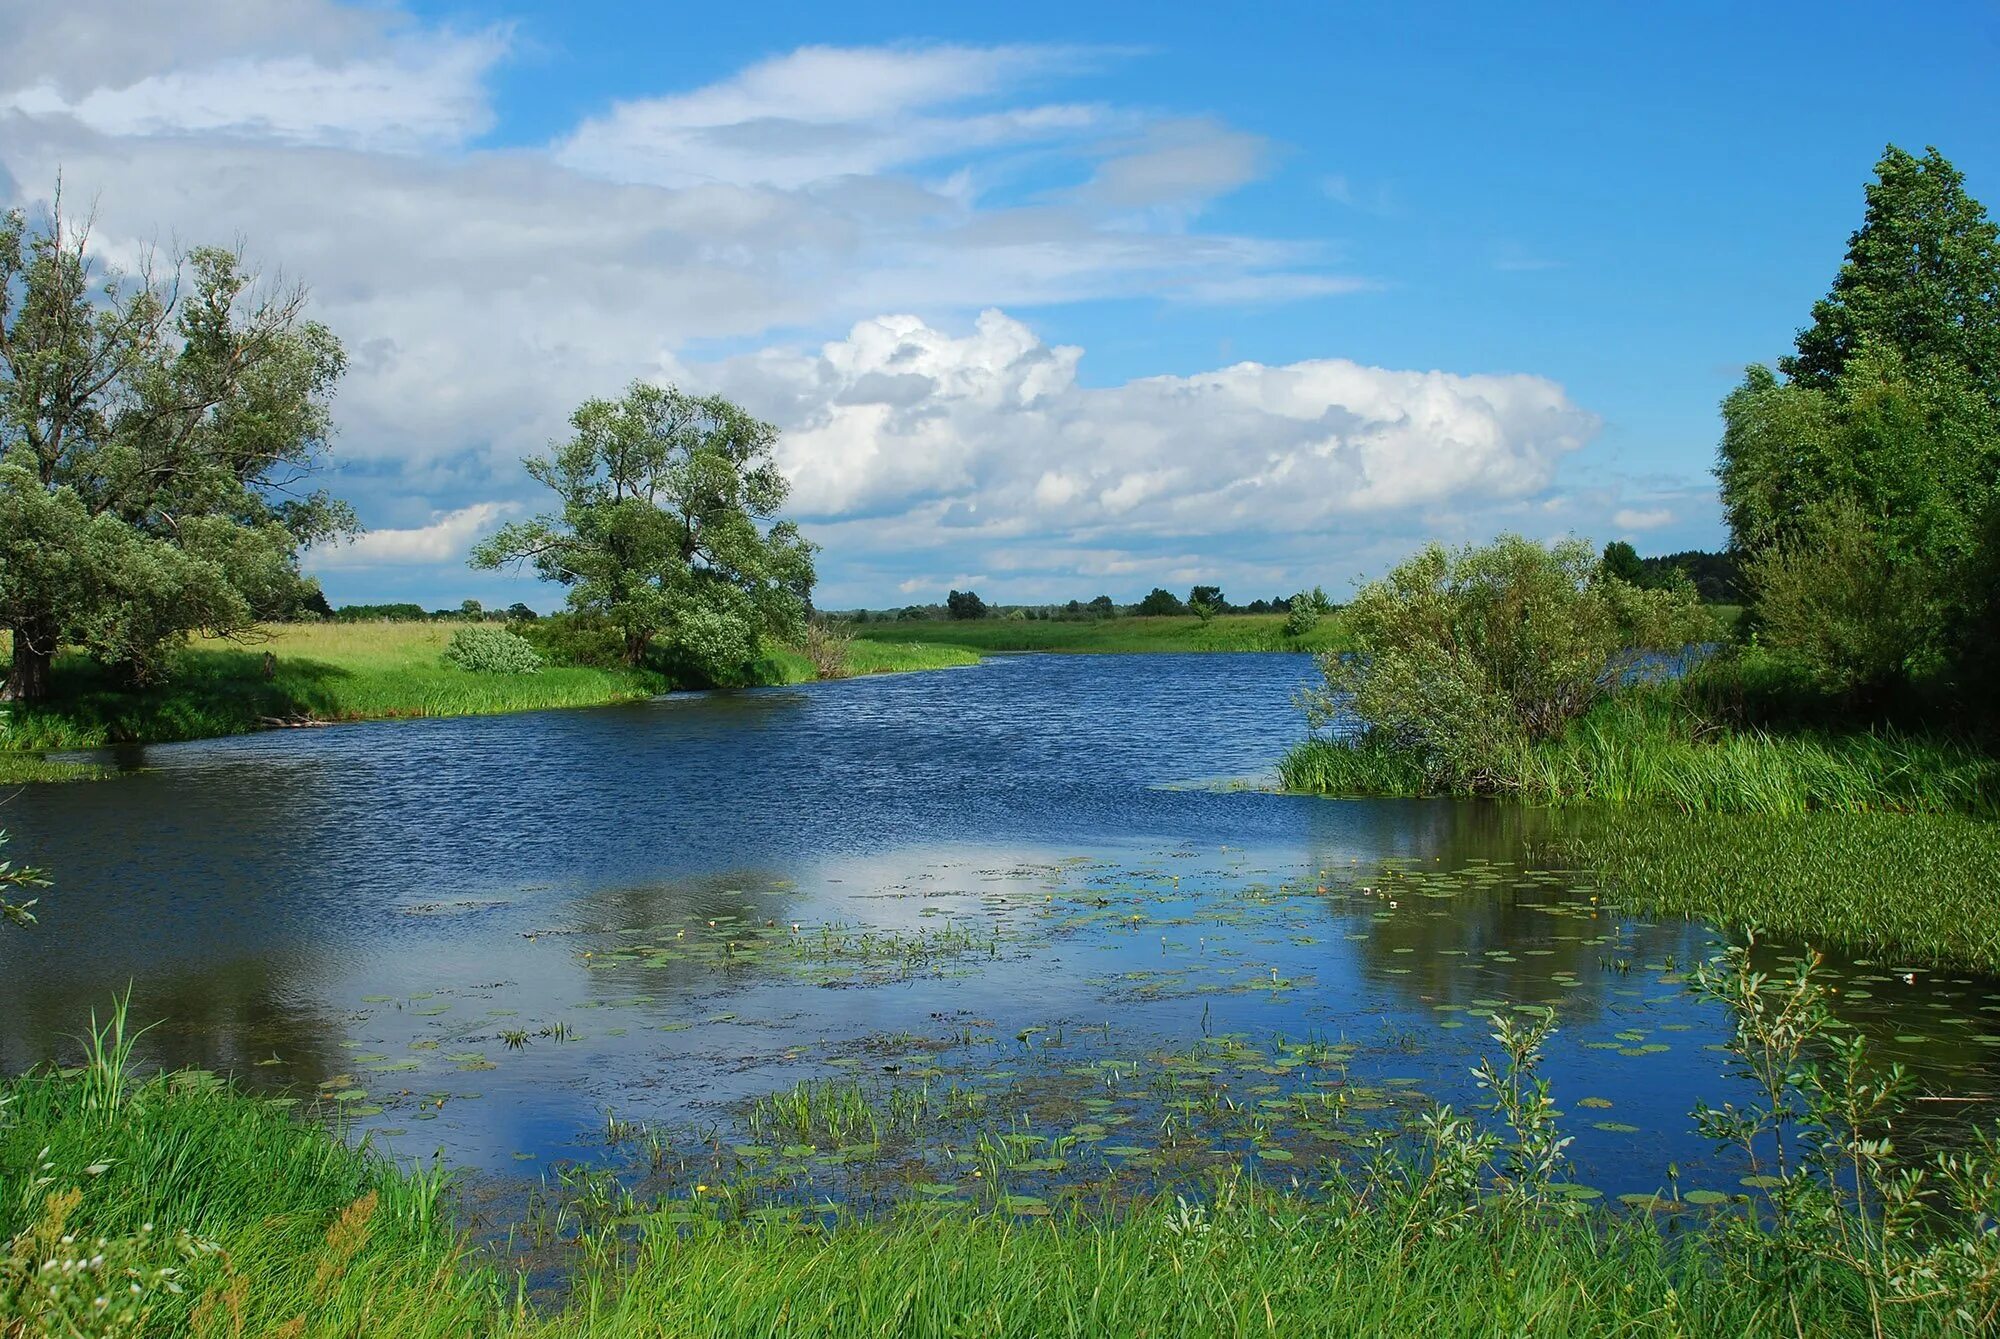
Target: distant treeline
{"x": 415, "y": 613}
{"x": 1204, "y": 600}
{"x": 1714, "y": 576}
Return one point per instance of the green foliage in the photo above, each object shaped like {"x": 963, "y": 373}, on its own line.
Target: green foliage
{"x": 153, "y": 429}
{"x": 1865, "y": 490}
{"x": 1662, "y": 745}
{"x": 1621, "y": 561}
{"x": 1205, "y": 602}
{"x": 964, "y": 604}
{"x": 1467, "y": 657}
{"x": 1135, "y": 634}
{"x": 661, "y": 530}
{"x": 1306, "y": 609}
{"x": 1863, "y": 509}
{"x": 15, "y": 880}
{"x": 490, "y": 650}
{"x": 828, "y": 647}
{"x": 1159, "y": 602}
{"x": 261, "y": 1224}
{"x": 1905, "y": 887}
{"x": 1921, "y": 277}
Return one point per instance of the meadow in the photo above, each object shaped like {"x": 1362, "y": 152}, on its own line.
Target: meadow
{"x": 329, "y": 672}
{"x": 1224, "y": 632}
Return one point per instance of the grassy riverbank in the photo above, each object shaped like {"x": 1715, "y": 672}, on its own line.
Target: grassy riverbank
{"x": 1649, "y": 748}
{"x": 1224, "y": 632}
{"x": 344, "y": 672}
{"x": 190, "y": 1207}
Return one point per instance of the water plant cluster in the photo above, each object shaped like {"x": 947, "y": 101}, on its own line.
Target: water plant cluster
{"x": 199, "y": 1207}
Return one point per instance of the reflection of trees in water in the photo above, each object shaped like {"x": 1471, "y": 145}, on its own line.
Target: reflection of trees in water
{"x": 223, "y": 1018}
{"x": 1448, "y": 938}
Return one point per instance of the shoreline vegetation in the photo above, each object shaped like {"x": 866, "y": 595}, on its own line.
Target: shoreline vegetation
{"x": 181, "y": 1203}
{"x": 338, "y": 672}
{"x": 1122, "y": 634}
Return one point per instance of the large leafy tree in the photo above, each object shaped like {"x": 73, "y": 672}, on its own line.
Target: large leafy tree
{"x": 156, "y": 431}
{"x": 1862, "y": 489}
{"x": 666, "y": 528}
{"x": 1922, "y": 277}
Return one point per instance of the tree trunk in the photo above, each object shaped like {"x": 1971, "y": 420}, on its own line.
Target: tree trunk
{"x": 28, "y": 676}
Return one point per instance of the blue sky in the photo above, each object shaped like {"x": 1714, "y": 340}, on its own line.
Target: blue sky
{"x": 1273, "y": 294}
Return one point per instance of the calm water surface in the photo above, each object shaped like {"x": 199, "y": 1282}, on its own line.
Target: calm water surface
{"x": 1036, "y": 892}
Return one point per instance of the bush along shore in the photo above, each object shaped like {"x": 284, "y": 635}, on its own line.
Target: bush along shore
{"x": 178, "y": 1203}
{"x": 316, "y": 673}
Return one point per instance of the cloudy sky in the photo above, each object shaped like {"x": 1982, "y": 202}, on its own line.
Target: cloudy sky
{"x": 1051, "y": 300}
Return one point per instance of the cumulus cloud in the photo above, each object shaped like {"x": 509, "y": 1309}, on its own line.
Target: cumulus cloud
{"x": 448, "y": 538}
{"x": 992, "y": 430}
{"x": 483, "y": 290}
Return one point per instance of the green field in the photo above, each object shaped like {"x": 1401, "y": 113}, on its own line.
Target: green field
{"x": 1225, "y": 632}
{"x": 343, "y": 672}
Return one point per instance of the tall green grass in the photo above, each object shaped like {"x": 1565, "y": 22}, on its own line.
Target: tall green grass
{"x": 1904, "y": 887}
{"x": 1647, "y": 747}
{"x": 192, "y": 1207}
{"x": 1225, "y": 632}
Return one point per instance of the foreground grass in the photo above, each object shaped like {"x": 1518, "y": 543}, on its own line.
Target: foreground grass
{"x": 272, "y": 1226}
{"x": 1645, "y": 748}
{"x": 340, "y": 672}
{"x": 1225, "y": 632}
{"x": 1907, "y": 888}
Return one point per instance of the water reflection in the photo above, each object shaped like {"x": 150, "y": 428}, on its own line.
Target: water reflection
{"x": 480, "y": 934}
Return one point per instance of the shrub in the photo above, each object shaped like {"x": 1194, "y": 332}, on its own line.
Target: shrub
{"x": 1467, "y": 655}
{"x": 484, "y": 649}
{"x": 1305, "y": 611}
{"x": 586, "y": 640}
{"x": 826, "y": 647}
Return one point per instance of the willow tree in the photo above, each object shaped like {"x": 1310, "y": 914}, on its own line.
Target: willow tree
{"x": 666, "y": 529}
{"x": 156, "y": 432}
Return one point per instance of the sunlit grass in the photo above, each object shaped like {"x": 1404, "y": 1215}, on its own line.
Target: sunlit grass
{"x": 1225, "y": 632}
{"x": 1643, "y": 748}
{"x": 322, "y": 672}
{"x": 1902, "y": 887}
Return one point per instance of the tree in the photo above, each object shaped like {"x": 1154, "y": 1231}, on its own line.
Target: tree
{"x": 662, "y": 531}
{"x": 965, "y": 604}
{"x": 1159, "y": 601}
{"x": 1622, "y": 561}
{"x": 471, "y": 610}
{"x": 1861, "y": 489}
{"x": 1922, "y": 277}
{"x": 519, "y": 612}
{"x": 1468, "y": 654}
{"x": 155, "y": 430}
{"x": 1207, "y": 598}
{"x": 1101, "y": 607}
{"x": 1304, "y": 611}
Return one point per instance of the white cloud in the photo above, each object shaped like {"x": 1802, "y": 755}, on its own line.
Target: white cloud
{"x": 482, "y": 292}
{"x": 424, "y": 94}
{"x": 819, "y": 113}
{"x": 990, "y": 432}
{"x": 448, "y": 538}
{"x": 1628, "y": 518}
